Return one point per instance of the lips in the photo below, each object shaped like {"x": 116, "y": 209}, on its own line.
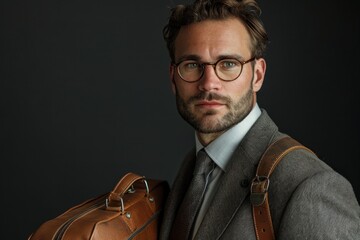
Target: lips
{"x": 209, "y": 104}
{"x": 208, "y": 100}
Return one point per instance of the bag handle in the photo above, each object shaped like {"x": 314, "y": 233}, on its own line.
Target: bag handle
{"x": 260, "y": 185}
{"x": 115, "y": 201}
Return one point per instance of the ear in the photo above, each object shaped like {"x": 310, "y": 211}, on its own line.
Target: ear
{"x": 172, "y": 77}
{"x": 259, "y": 74}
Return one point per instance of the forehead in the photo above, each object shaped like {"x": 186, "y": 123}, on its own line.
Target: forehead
{"x": 211, "y": 39}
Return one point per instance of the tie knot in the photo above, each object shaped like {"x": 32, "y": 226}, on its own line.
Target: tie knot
{"x": 203, "y": 164}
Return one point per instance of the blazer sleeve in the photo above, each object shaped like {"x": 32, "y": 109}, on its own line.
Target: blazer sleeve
{"x": 322, "y": 206}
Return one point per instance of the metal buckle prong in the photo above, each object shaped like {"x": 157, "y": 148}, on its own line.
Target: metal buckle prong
{"x": 259, "y": 188}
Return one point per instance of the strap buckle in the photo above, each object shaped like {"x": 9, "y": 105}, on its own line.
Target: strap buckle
{"x": 119, "y": 208}
{"x": 259, "y": 189}
{"x": 115, "y": 202}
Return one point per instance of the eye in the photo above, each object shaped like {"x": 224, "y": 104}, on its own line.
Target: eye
{"x": 189, "y": 66}
{"x": 229, "y": 64}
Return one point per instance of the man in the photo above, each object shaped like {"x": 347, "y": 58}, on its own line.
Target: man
{"x": 216, "y": 48}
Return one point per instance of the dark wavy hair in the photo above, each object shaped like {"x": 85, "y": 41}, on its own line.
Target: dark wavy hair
{"x": 247, "y": 11}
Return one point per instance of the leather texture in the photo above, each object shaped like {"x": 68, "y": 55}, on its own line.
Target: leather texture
{"x": 308, "y": 199}
{"x": 132, "y": 210}
{"x": 259, "y": 196}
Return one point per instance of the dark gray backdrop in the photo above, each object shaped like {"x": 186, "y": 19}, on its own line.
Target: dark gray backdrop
{"x": 85, "y": 96}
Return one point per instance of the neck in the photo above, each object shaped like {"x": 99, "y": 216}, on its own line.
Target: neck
{"x": 206, "y": 138}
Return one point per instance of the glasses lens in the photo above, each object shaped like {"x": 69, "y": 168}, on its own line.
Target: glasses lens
{"x": 190, "y": 70}
{"x": 228, "y": 69}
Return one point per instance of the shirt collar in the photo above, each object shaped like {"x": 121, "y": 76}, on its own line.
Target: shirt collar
{"x": 221, "y": 149}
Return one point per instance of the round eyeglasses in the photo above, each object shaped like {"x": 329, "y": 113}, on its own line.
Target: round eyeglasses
{"x": 227, "y": 69}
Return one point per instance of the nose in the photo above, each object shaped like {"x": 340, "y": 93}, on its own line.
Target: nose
{"x": 209, "y": 80}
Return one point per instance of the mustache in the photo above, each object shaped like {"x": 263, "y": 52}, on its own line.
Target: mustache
{"x": 209, "y": 97}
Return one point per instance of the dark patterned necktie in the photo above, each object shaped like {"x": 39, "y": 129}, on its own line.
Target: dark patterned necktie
{"x": 184, "y": 221}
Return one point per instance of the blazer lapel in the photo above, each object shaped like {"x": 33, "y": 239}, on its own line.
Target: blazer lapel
{"x": 242, "y": 167}
{"x": 177, "y": 193}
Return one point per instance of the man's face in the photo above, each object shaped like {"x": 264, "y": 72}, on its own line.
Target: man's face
{"x": 211, "y": 105}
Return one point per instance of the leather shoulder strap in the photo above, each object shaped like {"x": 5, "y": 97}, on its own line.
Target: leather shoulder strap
{"x": 260, "y": 185}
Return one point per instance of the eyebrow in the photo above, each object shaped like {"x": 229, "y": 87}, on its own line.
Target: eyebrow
{"x": 198, "y": 58}
{"x": 188, "y": 57}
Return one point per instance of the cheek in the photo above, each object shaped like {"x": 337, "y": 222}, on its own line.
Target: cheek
{"x": 237, "y": 89}
{"x": 183, "y": 89}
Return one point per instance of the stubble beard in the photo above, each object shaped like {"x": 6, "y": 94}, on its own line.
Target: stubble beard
{"x": 203, "y": 123}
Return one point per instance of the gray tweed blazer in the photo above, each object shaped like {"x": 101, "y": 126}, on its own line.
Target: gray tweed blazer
{"x": 308, "y": 200}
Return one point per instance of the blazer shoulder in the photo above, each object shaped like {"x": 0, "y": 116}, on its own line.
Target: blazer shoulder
{"x": 309, "y": 198}
{"x": 322, "y": 206}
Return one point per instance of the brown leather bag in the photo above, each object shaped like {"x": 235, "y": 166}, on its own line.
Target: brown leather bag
{"x": 131, "y": 211}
